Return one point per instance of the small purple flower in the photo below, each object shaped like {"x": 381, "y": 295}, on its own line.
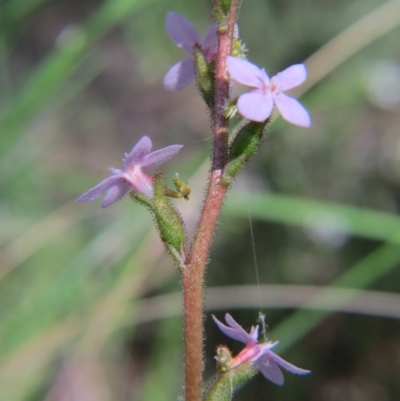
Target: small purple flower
{"x": 268, "y": 363}
{"x": 257, "y": 105}
{"x": 184, "y": 34}
{"x": 132, "y": 176}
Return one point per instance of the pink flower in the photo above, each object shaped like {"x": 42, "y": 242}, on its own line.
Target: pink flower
{"x": 132, "y": 176}
{"x": 257, "y": 105}
{"x": 184, "y": 34}
{"x": 268, "y": 363}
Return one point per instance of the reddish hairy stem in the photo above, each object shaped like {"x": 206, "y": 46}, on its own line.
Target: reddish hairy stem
{"x": 193, "y": 275}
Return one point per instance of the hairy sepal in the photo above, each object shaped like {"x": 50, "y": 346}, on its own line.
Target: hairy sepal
{"x": 167, "y": 218}
{"x": 243, "y": 146}
{"x": 205, "y": 76}
{"x": 225, "y": 384}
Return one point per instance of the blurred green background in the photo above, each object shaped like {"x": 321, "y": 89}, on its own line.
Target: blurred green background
{"x": 89, "y": 301}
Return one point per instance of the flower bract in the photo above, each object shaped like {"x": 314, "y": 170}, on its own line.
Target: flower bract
{"x": 185, "y": 36}
{"x": 132, "y": 176}
{"x": 257, "y": 105}
{"x": 259, "y": 354}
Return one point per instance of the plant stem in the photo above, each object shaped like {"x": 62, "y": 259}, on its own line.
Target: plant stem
{"x": 193, "y": 274}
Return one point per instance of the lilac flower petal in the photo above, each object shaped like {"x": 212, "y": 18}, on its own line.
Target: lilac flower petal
{"x": 244, "y": 72}
{"x": 210, "y": 39}
{"x": 158, "y": 157}
{"x": 239, "y": 329}
{"x": 228, "y": 331}
{"x": 292, "y": 110}
{"x": 96, "y": 191}
{"x": 115, "y": 193}
{"x": 141, "y": 149}
{"x": 233, "y": 332}
{"x": 181, "y": 31}
{"x": 291, "y": 77}
{"x": 270, "y": 345}
{"x": 180, "y": 75}
{"x": 270, "y": 370}
{"x": 255, "y": 106}
{"x": 132, "y": 176}
{"x": 286, "y": 365}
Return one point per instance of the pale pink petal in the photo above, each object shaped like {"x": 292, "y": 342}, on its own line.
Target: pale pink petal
{"x": 210, "y": 39}
{"x": 292, "y": 111}
{"x": 291, "y": 77}
{"x": 141, "y": 149}
{"x": 238, "y": 335}
{"x": 180, "y": 75}
{"x": 96, "y": 191}
{"x": 255, "y": 106}
{"x": 115, "y": 193}
{"x": 158, "y": 157}
{"x": 140, "y": 181}
{"x": 288, "y": 366}
{"x": 270, "y": 370}
{"x": 181, "y": 31}
{"x": 245, "y": 72}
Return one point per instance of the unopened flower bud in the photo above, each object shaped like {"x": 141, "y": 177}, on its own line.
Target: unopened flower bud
{"x": 168, "y": 219}
{"x": 205, "y": 76}
{"x": 244, "y": 145}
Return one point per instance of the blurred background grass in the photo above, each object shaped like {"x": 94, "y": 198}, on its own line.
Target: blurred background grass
{"x": 88, "y": 299}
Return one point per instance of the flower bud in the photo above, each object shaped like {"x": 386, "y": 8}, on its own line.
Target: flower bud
{"x": 169, "y": 221}
{"x": 244, "y": 145}
{"x": 227, "y": 381}
{"x": 205, "y": 76}
{"x": 222, "y": 6}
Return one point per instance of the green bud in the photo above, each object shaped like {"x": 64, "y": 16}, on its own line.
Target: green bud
{"x": 223, "y": 6}
{"x": 231, "y": 109}
{"x": 243, "y": 146}
{"x": 225, "y": 383}
{"x": 238, "y": 48}
{"x": 168, "y": 219}
{"x": 219, "y": 15}
{"x": 182, "y": 187}
{"x": 226, "y": 5}
{"x": 205, "y": 76}
{"x": 224, "y": 359}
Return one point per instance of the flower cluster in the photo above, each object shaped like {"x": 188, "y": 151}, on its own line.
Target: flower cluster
{"x": 259, "y": 354}
{"x": 132, "y": 176}
{"x": 256, "y": 105}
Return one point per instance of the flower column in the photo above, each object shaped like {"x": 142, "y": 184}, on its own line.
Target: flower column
{"x": 193, "y": 275}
